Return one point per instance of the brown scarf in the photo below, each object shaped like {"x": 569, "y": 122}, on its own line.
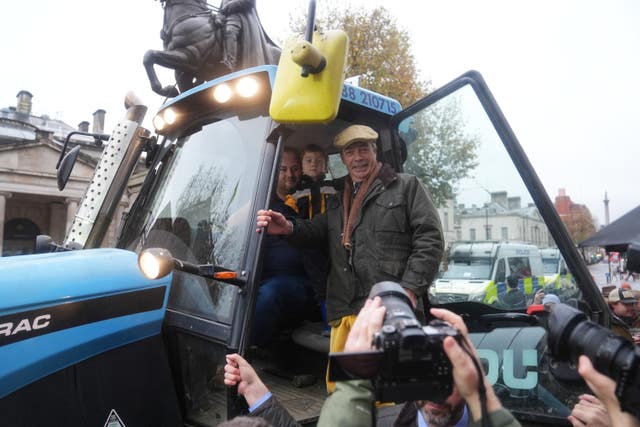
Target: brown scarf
{"x": 351, "y": 211}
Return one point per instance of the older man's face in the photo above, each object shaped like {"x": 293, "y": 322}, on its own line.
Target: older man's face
{"x": 443, "y": 414}
{"x": 360, "y": 158}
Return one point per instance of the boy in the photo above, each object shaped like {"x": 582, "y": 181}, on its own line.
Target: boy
{"x": 313, "y": 190}
{"x": 310, "y": 199}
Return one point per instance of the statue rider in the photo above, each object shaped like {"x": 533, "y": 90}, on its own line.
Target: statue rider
{"x": 229, "y": 18}
{"x": 245, "y": 44}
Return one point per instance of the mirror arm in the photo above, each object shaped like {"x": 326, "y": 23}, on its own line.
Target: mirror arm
{"x": 209, "y": 271}
{"x": 98, "y": 138}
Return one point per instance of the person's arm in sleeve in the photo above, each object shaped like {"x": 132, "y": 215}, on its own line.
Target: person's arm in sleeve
{"x": 299, "y": 232}
{"x": 309, "y": 233}
{"x": 352, "y": 402}
{"x": 262, "y": 403}
{"x": 426, "y": 239}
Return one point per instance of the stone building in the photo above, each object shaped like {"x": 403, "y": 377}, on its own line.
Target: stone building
{"x": 30, "y": 202}
{"x": 503, "y": 218}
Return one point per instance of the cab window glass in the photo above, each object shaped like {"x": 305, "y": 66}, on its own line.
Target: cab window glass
{"x": 202, "y": 212}
{"x": 495, "y": 246}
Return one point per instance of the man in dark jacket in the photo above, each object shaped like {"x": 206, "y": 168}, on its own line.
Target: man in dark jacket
{"x": 381, "y": 225}
{"x": 285, "y": 296}
{"x": 514, "y": 298}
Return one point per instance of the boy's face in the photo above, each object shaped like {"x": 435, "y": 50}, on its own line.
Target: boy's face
{"x": 313, "y": 164}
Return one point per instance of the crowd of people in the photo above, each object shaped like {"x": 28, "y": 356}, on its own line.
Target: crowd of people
{"x": 327, "y": 243}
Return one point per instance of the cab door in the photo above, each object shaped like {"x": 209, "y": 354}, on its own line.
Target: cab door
{"x": 457, "y": 141}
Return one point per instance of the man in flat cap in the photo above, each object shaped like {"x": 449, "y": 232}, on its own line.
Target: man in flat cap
{"x": 622, "y": 303}
{"x": 381, "y": 225}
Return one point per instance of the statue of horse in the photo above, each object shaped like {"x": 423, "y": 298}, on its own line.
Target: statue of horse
{"x": 194, "y": 43}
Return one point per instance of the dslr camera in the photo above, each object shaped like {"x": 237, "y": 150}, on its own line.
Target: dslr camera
{"x": 571, "y": 334}
{"x": 408, "y": 362}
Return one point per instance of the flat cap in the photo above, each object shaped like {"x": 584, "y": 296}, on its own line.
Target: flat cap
{"x": 354, "y": 133}
{"x": 625, "y": 296}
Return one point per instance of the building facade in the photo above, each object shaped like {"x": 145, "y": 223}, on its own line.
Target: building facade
{"x": 502, "y": 218}
{"x": 30, "y": 202}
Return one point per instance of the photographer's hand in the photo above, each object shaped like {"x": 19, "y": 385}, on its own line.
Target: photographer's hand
{"x": 589, "y": 412}
{"x": 465, "y": 375}
{"x": 368, "y": 322}
{"x": 239, "y": 372}
{"x": 604, "y": 388}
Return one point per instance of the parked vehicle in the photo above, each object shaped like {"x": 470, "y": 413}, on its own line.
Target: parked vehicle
{"x": 478, "y": 271}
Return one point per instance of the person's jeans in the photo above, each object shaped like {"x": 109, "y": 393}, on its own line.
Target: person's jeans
{"x": 283, "y": 302}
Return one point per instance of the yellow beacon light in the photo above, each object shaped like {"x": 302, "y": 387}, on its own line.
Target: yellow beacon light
{"x": 308, "y": 83}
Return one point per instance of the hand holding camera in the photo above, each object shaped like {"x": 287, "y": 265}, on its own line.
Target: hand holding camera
{"x": 408, "y": 361}
{"x": 609, "y": 364}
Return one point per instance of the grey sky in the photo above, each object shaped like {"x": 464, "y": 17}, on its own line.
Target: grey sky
{"x": 565, "y": 73}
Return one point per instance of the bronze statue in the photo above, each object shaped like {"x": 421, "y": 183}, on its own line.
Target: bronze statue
{"x": 201, "y": 46}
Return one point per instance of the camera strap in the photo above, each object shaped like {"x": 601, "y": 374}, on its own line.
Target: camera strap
{"x": 482, "y": 391}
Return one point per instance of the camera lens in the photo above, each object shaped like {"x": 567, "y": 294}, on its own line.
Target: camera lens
{"x": 394, "y": 298}
{"x": 571, "y": 334}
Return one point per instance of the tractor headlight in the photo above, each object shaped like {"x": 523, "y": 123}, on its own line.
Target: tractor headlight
{"x": 155, "y": 263}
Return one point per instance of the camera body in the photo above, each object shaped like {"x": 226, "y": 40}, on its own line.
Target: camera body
{"x": 409, "y": 362}
{"x": 571, "y": 334}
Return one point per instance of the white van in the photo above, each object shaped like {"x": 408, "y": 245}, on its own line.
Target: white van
{"x": 477, "y": 271}
{"x": 555, "y": 269}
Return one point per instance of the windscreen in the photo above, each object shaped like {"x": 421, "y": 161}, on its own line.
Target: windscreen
{"x": 487, "y": 211}
{"x": 471, "y": 269}
{"x": 201, "y": 210}
{"x": 550, "y": 265}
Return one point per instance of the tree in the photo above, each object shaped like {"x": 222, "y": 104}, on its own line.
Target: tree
{"x": 442, "y": 153}
{"x": 380, "y": 54}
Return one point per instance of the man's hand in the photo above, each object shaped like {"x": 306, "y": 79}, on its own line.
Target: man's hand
{"x": 589, "y": 412}
{"x": 239, "y": 372}
{"x": 275, "y": 222}
{"x": 537, "y": 299}
{"x": 368, "y": 322}
{"x": 604, "y": 388}
{"x": 465, "y": 375}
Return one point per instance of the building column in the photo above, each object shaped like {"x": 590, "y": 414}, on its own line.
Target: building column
{"x": 72, "y": 208}
{"x": 57, "y": 221}
{"x": 3, "y": 204}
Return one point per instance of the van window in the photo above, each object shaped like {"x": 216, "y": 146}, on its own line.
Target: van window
{"x": 519, "y": 266}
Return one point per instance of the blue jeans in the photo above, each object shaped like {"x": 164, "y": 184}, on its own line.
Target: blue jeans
{"x": 283, "y": 302}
